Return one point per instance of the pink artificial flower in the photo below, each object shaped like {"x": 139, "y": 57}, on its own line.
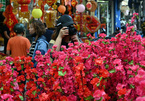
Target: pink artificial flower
{"x": 120, "y": 86}
{"x": 7, "y": 96}
{"x": 134, "y": 68}
{"x": 140, "y": 99}
{"x": 54, "y": 46}
{"x": 72, "y": 98}
{"x": 70, "y": 44}
{"x": 38, "y": 52}
{"x": 98, "y": 94}
{"x": 117, "y": 62}
{"x": 119, "y": 68}
{"x": 63, "y": 47}
{"x": 142, "y": 63}
{"x": 102, "y": 35}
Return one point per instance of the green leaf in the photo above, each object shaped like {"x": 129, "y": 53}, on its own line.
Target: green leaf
{"x": 22, "y": 67}
{"x": 112, "y": 71}
{"x": 95, "y": 75}
{"x": 89, "y": 98}
{"x": 61, "y": 68}
{"x": 11, "y": 62}
{"x": 21, "y": 97}
{"x": 103, "y": 42}
{"x": 132, "y": 86}
{"x": 125, "y": 60}
{"x": 130, "y": 76}
{"x": 34, "y": 92}
{"x": 11, "y": 89}
{"x": 98, "y": 84}
{"x": 44, "y": 84}
{"x": 60, "y": 73}
{"x": 1, "y": 63}
{"x": 60, "y": 90}
{"x": 14, "y": 80}
{"x": 1, "y": 88}
{"x": 131, "y": 62}
{"x": 12, "y": 84}
{"x": 100, "y": 78}
{"x": 107, "y": 66}
{"x": 48, "y": 64}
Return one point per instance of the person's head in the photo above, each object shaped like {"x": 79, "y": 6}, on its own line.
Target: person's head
{"x": 64, "y": 21}
{"x": 19, "y": 28}
{"x": 36, "y": 28}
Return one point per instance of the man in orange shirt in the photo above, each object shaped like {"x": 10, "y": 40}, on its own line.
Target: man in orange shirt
{"x": 18, "y": 45}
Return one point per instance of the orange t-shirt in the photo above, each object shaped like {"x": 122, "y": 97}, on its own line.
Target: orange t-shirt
{"x": 18, "y": 45}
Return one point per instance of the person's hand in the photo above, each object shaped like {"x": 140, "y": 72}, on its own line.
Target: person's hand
{"x": 75, "y": 38}
{"x": 63, "y": 32}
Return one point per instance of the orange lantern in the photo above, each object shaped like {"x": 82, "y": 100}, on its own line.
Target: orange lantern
{"x": 62, "y": 9}
{"x": 24, "y": 5}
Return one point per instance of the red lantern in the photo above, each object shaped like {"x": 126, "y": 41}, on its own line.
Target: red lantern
{"x": 24, "y": 5}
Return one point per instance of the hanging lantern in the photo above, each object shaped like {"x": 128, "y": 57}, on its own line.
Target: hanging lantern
{"x": 62, "y": 9}
{"x": 24, "y": 5}
{"x": 36, "y": 13}
{"x": 80, "y": 8}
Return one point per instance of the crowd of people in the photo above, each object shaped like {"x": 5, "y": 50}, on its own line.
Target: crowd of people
{"x": 64, "y": 33}
{"x": 20, "y": 45}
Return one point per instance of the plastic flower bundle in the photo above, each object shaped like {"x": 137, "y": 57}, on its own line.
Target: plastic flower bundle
{"x": 104, "y": 70}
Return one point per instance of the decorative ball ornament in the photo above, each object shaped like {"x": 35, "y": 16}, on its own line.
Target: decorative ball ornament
{"x": 36, "y": 13}
{"x": 80, "y": 8}
{"x": 89, "y": 5}
{"x": 61, "y": 9}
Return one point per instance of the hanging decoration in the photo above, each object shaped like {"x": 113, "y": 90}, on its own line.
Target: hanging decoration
{"x": 89, "y": 5}
{"x": 93, "y": 25}
{"x": 50, "y": 2}
{"x": 94, "y": 6}
{"x": 61, "y": 9}
{"x": 80, "y": 8}
{"x": 50, "y": 18}
{"x": 24, "y": 5}
{"x": 36, "y": 13}
{"x": 74, "y": 3}
{"x": 10, "y": 19}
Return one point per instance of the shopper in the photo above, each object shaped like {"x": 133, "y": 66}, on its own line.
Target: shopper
{"x": 18, "y": 45}
{"x": 4, "y": 31}
{"x": 37, "y": 29}
{"x": 65, "y": 32}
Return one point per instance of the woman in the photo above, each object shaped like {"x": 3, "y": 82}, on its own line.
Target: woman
{"x": 37, "y": 29}
{"x": 65, "y": 32}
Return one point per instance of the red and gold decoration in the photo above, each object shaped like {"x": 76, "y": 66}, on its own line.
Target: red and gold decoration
{"x": 24, "y": 5}
{"x": 50, "y": 18}
{"x": 10, "y": 19}
{"x": 93, "y": 25}
{"x": 74, "y": 3}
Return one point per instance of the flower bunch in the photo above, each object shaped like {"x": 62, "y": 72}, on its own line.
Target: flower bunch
{"x": 102, "y": 70}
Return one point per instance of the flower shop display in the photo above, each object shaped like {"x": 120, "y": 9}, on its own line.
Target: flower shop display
{"x": 102, "y": 70}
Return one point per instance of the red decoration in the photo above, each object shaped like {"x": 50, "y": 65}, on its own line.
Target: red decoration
{"x": 74, "y": 3}
{"x": 10, "y": 18}
{"x": 24, "y": 5}
{"x": 94, "y": 25}
{"x": 50, "y": 2}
